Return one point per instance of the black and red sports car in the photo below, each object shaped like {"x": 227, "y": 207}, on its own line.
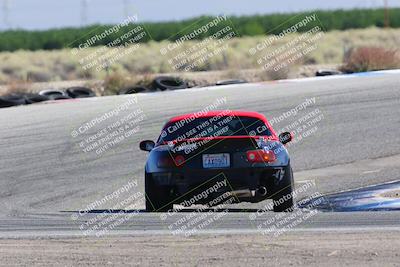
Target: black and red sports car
{"x": 200, "y": 158}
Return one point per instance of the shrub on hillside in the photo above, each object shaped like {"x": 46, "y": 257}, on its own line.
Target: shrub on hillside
{"x": 116, "y": 81}
{"x": 113, "y": 83}
{"x": 370, "y": 58}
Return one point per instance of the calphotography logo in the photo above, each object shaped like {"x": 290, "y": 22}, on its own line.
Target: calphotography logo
{"x": 186, "y": 55}
{"x": 275, "y": 55}
{"x": 110, "y": 129}
{"x": 119, "y": 41}
{"x": 214, "y": 193}
{"x": 124, "y": 205}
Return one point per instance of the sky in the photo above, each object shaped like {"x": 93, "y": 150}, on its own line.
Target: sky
{"x": 45, "y": 14}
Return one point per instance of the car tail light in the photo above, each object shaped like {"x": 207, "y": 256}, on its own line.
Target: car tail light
{"x": 260, "y": 155}
{"x": 179, "y": 160}
{"x": 168, "y": 161}
{"x": 165, "y": 162}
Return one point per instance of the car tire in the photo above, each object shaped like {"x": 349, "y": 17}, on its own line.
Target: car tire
{"x": 327, "y": 72}
{"x": 59, "y": 97}
{"x": 80, "y": 92}
{"x": 12, "y": 100}
{"x": 132, "y": 90}
{"x": 285, "y": 193}
{"x": 35, "y": 98}
{"x": 158, "y": 198}
{"x": 52, "y": 94}
{"x": 169, "y": 83}
{"x": 227, "y": 82}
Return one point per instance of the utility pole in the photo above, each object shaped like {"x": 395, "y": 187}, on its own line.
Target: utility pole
{"x": 387, "y": 20}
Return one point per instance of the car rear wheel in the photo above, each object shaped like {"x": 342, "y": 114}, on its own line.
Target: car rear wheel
{"x": 283, "y": 198}
{"x": 158, "y": 198}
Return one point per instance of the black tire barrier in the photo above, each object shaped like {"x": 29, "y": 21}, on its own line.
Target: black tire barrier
{"x": 35, "y": 98}
{"x": 169, "y": 83}
{"x": 60, "y": 97}
{"x": 52, "y": 94}
{"x": 132, "y": 90}
{"x": 80, "y": 92}
{"x": 12, "y": 100}
{"x": 227, "y": 82}
{"x": 327, "y": 72}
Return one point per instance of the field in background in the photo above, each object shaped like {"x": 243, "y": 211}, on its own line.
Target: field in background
{"x": 60, "y": 65}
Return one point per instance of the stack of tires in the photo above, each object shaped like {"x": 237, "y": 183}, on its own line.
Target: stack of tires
{"x": 169, "y": 83}
{"x": 12, "y": 100}
{"x": 29, "y": 98}
{"x": 72, "y": 92}
{"x": 161, "y": 83}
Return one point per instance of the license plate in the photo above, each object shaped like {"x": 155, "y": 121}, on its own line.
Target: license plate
{"x": 216, "y": 160}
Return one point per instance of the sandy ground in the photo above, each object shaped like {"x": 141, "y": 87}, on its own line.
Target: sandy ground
{"x": 289, "y": 249}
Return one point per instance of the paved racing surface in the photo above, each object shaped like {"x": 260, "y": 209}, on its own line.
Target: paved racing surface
{"x": 46, "y": 176}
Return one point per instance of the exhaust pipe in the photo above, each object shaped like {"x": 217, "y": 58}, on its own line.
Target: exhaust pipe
{"x": 262, "y": 191}
{"x": 243, "y": 193}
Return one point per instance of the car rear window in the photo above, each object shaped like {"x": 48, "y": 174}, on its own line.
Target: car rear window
{"x": 212, "y": 127}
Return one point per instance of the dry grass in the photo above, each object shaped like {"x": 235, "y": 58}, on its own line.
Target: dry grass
{"x": 371, "y": 58}
{"x": 16, "y": 87}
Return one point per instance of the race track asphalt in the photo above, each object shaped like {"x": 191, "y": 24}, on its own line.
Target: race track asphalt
{"x": 46, "y": 176}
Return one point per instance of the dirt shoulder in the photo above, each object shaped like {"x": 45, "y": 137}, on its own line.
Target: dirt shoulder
{"x": 295, "y": 248}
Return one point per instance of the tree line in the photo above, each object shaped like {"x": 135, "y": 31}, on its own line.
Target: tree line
{"x": 12, "y": 40}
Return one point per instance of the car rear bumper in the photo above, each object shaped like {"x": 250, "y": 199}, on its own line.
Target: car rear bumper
{"x": 247, "y": 183}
